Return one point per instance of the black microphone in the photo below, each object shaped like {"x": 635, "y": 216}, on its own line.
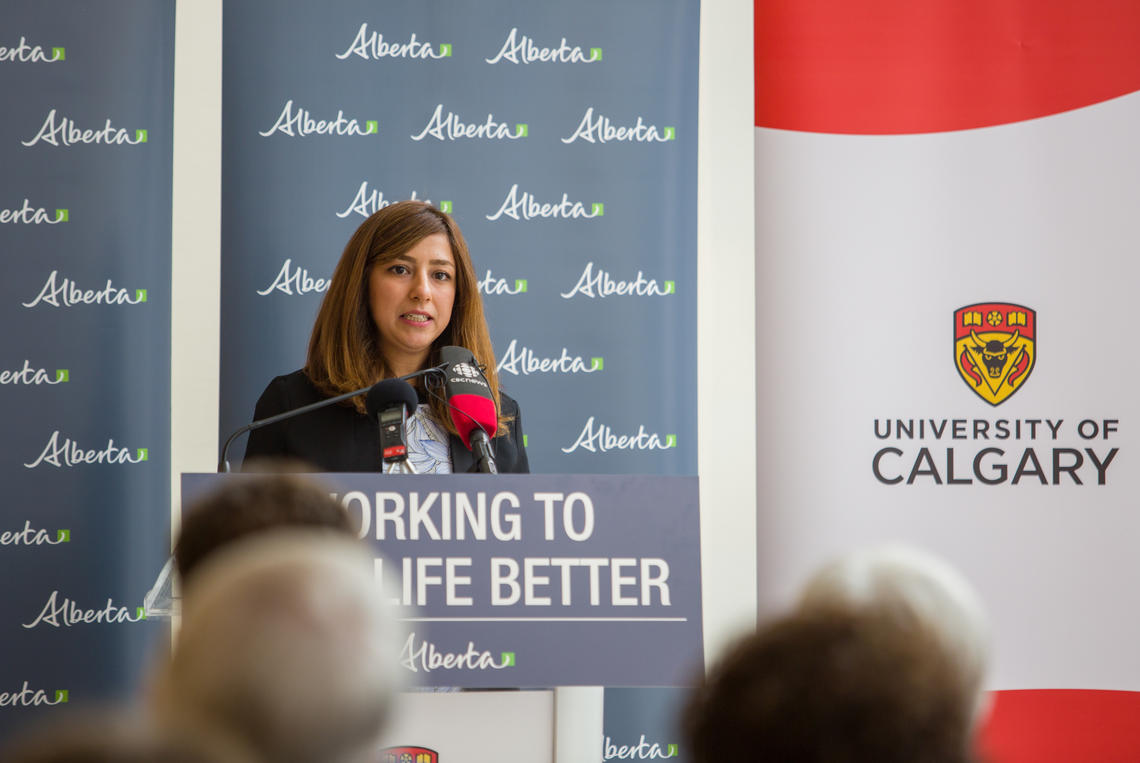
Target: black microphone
{"x": 223, "y": 462}
{"x": 471, "y": 405}
{"x": 390, "y": 401}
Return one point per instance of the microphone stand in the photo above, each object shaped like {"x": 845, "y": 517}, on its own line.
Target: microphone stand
{"x": 484, "y": 456}
{"x": 223, "y": 462}
{"x": 402, "y": 467}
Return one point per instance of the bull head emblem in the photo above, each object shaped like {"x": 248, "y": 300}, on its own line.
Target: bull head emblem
{"x": 994, "y": 352}
{"x": 995, "y": 348}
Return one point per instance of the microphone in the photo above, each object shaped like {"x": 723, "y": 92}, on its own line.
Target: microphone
{"x": 223, "y": 462}
{"x": 391, "y": 400}
{"x": 470, "y": 404}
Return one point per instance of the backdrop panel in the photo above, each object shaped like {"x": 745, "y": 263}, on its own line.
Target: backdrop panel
{"x": 562, "y": 139}
{"x": 85, "y": 147}
{"x": 490, "y": 111}
{"x": 948, "y": 320}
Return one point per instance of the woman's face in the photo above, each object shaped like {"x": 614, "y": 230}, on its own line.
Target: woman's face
{"x": 410, "y": 298}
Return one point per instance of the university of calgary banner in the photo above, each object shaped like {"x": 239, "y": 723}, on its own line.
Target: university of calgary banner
{"x": 85, "y": 225}
{"x": 946, "y": 246}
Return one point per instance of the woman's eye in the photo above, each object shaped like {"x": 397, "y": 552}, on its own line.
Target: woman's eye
{"x": 398, "y": 270}
{"x": 442, "y": 275}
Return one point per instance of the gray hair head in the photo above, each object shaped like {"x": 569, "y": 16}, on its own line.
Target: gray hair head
{"x": 287, "y": 643}
{"x": 918, "y": 591}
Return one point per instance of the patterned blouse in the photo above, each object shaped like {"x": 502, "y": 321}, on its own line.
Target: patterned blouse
{"x": 429, "y": 451}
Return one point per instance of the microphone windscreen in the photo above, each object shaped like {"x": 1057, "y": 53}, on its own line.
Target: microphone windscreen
{"x": 388, "y": 393}
{"x": 468, "y": 395}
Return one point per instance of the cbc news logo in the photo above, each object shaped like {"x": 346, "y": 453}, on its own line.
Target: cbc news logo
{"x": 465, "y": 370}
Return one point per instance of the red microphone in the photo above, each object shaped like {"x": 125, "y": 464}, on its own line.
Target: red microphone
{"x": 470, "y": 404}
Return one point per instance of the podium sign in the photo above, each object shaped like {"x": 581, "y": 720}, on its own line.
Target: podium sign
{"x": 533, "y": 580}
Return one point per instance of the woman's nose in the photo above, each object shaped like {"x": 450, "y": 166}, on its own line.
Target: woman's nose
{"x": 421, "y": 287}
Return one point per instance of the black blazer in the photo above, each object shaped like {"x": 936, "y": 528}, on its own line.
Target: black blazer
{"x": 339, "y": 439}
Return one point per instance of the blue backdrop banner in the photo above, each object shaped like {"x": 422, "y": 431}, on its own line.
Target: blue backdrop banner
{"x": 85, "y": 147}
{"x": 562, "y": 138}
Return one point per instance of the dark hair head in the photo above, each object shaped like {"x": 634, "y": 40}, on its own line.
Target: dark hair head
{"x": 831, "y": 686}
{"x": 248, "y": 504}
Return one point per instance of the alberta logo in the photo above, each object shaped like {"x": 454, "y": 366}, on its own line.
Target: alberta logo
{"x": 27, "y": 697}
{"x": 299, "y": 123}
{"x": 521, "y": 49}
{"x": 368, "y": 200}
{"x": 489, "y": 284}
{"x": 995, "y": 348}
{"x": 643, "y": 750}
{"x": 408, "y": 755}
{"x": 63, "y": 131}
{"x": 25, "y": 53}
{"x": 371, "y": 45}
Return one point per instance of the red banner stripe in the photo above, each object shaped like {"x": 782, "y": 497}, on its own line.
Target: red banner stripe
{"x": 1062, "y": 725}
{"x": 899, "y": 66}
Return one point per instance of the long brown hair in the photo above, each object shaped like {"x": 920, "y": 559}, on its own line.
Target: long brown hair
{"x": 344, "y": 350}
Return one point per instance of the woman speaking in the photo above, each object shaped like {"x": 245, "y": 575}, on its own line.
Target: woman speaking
{"x": 404, "y": 288}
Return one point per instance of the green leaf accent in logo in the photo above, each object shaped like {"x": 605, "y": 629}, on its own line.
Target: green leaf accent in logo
{"x": 140, "y": 295}
{"x": 62, "y": 375}
{"x": 140, "y": 613}
{"x": 509, "y": 659}
{"x": 58, "y": 54}
{"x": 520, "y": 284}
{"x": 673, "y": 750}
{"x": 524, "y": 440}
{"x": 445, "y": 206}
{"x": 445, "y": 49}
{"x": 597, "y": 364}
{"x": 595, "y": 54}
{"x": 670, "y": 441}
{"x": 61, "y": 216}
{"x": 371, "y": 127}
{"x": 670, "y": 133}
{"x": 143, "y": 454}
{"x": 140, "y": 136}
{"x": 61, "y": 695}
{"x": 599, "y": 208}
{"x": 63, "y": 536}
{"x": 670, "y": 287}
{"x": 522, "y": 129}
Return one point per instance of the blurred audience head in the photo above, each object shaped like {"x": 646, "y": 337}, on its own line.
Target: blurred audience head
{"x": 287, "y": 646}
{"x": 918, "y": 592}
{"x": 834, "y": 686}
{"x": 248, "y": 504}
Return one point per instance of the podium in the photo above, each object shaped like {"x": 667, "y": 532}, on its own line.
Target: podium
{"x": 533, "y": 580}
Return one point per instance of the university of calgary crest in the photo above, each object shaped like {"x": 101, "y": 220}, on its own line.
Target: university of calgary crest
{"x": 995, "y": 348}
{"x": 408, "y": 755}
